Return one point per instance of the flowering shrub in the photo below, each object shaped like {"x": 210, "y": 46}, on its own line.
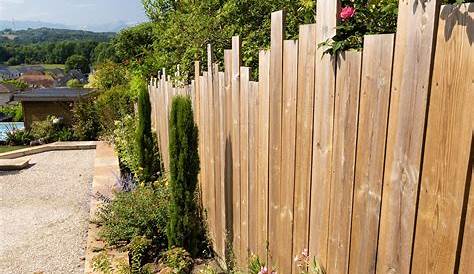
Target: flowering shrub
{"x": 306, "y": 266}
{"x": 358, "y": 18}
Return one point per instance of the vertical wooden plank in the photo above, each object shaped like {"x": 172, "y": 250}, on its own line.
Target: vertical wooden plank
{"x": 448, "y": 143}
{"x": 253, "y": 195}
{"x": 228, "y": 151}
{"x": 197, "y": 111}
{"x": 244, "y": 162}
{"x": 304, "y": 134}
{"x": 263, "y": 148}
{"x": 276, "y": 92}
{"x": 373, "y": 119}
{"x": 288, "y": 139}
{"x": 212, "y": 144}
{"x": 326, "y": 17}
{"x": 217, "y": 156}
{"x": 346, "y": 112}
{"x": 221, "y": 206}
{"x": 205, "y": 140}
{"x": 467, "y": 248}
{"x": 236, "y": 144}
{"x": 411, "y": 75}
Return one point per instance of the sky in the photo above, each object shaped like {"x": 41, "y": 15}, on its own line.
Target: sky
{"x": 73, "y": 12}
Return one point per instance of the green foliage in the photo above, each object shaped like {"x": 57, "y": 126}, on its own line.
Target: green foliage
{"x": 184, "y": 228}
{"x": 74, "y": 83}
{"x": 141, "y": 212}
{"x": 137, "y": 248}
{"x": 124, "y": 142}
{"x": 15, "y": 111}
{"x": 108, "y": 75}
{"x": 101, "y": 263}
{"x": 371, "y": 17}
{"x": 148, "y": 156}
{"x": 78, "y": 62}
{"x": 86, "y": 124}
{"x": 255, "y": 265}
{"x": 51, "y": 130}
{"x": 18, "y": 84}
{"x": 18, "y": 137}
{"x": 178, "y": 259}
{"x": 134, "y": 43}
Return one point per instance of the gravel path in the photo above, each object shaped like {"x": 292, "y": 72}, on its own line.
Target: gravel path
{"x": 44, "y": 213}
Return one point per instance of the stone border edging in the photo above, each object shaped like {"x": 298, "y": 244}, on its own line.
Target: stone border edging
{"x": 48, "y": 147}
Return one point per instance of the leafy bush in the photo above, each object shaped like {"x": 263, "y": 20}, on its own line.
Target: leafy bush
{"x": 185, "y": 227}
{"x": 18, "y": 84}
{"x": 178, "y": 259}
{"x": 15, "y": 111}
{"x": 18, "y": 137}
{"x": 78, "y": 62}
{"x": 51, "y": 130}
{"x": 124, "y": 142}
{"x": 361, "y": 17}
{"x": 108, "y": 75}
{"x": 86, "y": 123}
{"x": 141, "y": 212}
{"x": 137, "y": 253}
{"x": 148, "y": 156}
{"x": 74, "y": 83}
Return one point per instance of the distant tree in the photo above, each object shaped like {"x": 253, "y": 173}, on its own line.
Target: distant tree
{"x": 108, "y": 75}
{"x": 185, "y": 226}
{"x": 134, "y": 43}
{"x": 77, "y": 62}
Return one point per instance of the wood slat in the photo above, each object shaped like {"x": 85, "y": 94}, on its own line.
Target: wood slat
{"x": 244, "y": 163}
{"x": 221, "y": 207}
{"x": 304, "y": 133}
{"x": 467, "y": 248}
{"x": 345, "y": 144}
{"x": 374, "y": 103}
{"x": 326, "y": 17}
{"x": 263, "y": 149}
{"x": 236, "y": 145}
{"x": 284, "y": 257}
{"x": 253, "y": 159}
{"x": 448, "y": 143}
{"x": 413, "y": 57}
{"x": 276, "y": 91}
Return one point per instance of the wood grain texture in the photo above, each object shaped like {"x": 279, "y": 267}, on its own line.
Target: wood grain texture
{"x": 253, "y": 159}
{"x": 263, "y": 149}
{"x": 244, "y": 163}
{"x": 304, "y": 133}
{"x": 448, "y": 143}
{"x": 221, "y": 206}
{"x": 284, "y": 257}
{"x": 276, "y": 93}
{"x": 467, "y": 248}
{"x": 373, "y": 119}
{"x": 217, "y": 156}
{"x": 326, "y": 18}
{"x": 345, "y": 144}
{"x": 236, "y": 145}
{"x": 410, "y": 84}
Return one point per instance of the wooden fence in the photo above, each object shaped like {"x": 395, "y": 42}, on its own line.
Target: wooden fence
{"x": 364, "y": 159}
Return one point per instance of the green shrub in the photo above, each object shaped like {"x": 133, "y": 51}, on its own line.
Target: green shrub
{"x": 141, "y": 212}
{"x": 14, "y": 111}
{"x": 148, "y": 156}
{"x": 18, "y": 137}
{"x": 137, "y": 253}
{"x": 101, "y": 263}
{"x": 185, "y": 226}
{"x": 178, "y": 259}
{"x": 124, "y": 142}
{"x": 18, "y": 84}
{"x": 108, "y": 75}
{"x": 51, "y": 130}
{"x": 86, "y": 125}
{"x": 74, "y": 83}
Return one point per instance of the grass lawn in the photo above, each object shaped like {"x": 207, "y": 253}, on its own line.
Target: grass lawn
{"x": 10, "y": 148}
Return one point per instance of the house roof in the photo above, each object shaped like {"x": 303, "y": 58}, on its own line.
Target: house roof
{"x": 52, "y": 95}
{"x": 38, "y": 80}
{"x": 7, "y": 88}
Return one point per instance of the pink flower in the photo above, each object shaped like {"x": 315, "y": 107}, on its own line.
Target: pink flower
{"x": 347, "y": 13}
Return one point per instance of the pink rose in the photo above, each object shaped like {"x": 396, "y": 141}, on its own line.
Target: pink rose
{"x": 347, "y": 12}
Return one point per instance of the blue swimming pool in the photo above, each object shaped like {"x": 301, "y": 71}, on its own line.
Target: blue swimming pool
{"x": 8, "y": 126}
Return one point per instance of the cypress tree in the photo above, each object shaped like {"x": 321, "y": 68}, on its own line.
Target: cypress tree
{"x": 148, "y": 155}
{"x": 185, "y": 227}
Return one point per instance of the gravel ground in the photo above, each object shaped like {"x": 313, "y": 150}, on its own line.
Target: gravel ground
{"x": 44, "y": 213}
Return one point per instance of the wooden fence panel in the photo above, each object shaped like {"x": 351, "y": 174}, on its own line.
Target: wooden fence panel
{"x": 283, "y": 256}
{"x": 448, "y": 143}
{"x": 253, "y": 159}
{"x": 236, "y": 144}
{"x": 345, "y": 143}
{"x": 276, "y": 93}
{"x": 467, "y": 248}
{"x": 374, "y": 103}
{"x": 326, "y": 18}
{"x": 304, "y": 133}
{"x": 263, "y": 149}
{"x": 221, "y": 207}
{"x": 244, "y": 162}
{"x": 413, "y": 56}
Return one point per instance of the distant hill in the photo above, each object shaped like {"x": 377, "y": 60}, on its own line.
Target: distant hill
{"x": 52, "y": 35}
{"x": 23, "y": 25}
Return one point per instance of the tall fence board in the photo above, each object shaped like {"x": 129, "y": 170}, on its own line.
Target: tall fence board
{"x": 364, "y": 158}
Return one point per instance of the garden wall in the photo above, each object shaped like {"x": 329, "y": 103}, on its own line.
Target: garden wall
{"x": 365, "y": 159}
